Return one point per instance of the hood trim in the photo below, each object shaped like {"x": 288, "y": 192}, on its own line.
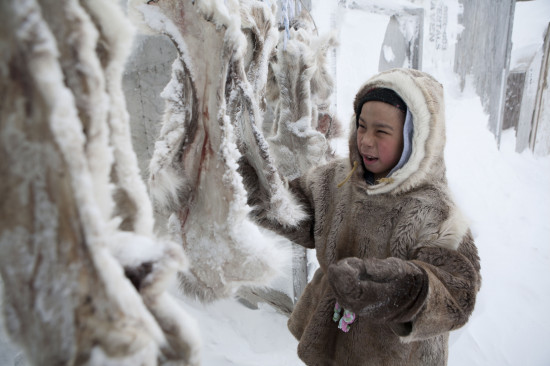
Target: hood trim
{"x": 424, "y": 98}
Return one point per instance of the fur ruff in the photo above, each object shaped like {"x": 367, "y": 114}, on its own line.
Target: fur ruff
{"x": 425, "y": 101}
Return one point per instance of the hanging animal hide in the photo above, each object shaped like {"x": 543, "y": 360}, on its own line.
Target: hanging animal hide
{"x": 300, "y": 89}
{"x": 213, "y": 125}
{"x": 65, "y": 242}
{"x": 211, "y": 121}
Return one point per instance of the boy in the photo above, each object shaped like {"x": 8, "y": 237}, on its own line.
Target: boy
{"x": 398, "y": 265}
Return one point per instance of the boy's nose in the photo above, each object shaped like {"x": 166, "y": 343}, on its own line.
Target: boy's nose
{"x": 367, "y": 140}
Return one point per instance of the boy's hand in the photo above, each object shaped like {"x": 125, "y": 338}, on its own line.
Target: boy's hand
{"x": 388, "y": 289}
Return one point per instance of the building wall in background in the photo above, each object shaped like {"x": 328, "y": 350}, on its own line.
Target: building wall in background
{"x": 539, "y": 137}
{"x": 483, "y": 51}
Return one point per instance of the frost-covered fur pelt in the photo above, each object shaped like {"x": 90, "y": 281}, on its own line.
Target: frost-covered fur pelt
{"x": 300, "y": 90}
{"x": 260, "y": 29}
{"x": 133, "y": 206}
{"x": 211, "y": 125}
{"x": 63, "y": 255}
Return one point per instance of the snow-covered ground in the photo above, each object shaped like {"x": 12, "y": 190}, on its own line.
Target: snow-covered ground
{"x": 507, "y": 199}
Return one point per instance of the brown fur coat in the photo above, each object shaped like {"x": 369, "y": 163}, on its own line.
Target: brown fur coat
{"x": 410, "y": 216}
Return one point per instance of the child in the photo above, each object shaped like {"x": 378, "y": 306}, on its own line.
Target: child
{"x": 398, "y": 265}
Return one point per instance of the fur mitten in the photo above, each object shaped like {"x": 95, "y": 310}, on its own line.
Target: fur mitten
{"x": 385, "y": 290}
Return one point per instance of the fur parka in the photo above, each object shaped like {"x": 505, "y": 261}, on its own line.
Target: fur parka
{"x": 411, "y": 216}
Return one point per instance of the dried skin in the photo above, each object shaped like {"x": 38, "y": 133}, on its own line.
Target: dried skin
{"x": 211, "y": 122}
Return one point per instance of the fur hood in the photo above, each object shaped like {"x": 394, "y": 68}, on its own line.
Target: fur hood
{"x": 424, "y": 98}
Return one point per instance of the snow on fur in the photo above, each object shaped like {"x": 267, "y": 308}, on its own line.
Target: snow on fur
{"x": 211, "y": 122}
{"x": 304, "y": 87}
{"x": 72, "y": 252}
{"x": 45, "y": 72}
{"x": 116, "y": 36}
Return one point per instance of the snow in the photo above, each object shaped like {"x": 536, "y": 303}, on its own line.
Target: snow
{"x": 236, "y": 335}
{"x": 504, "y": 194}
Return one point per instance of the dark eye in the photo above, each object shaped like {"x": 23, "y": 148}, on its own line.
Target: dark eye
{"x": 384, "y": 132}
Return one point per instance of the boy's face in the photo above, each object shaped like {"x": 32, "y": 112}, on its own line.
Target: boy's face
{"x": 380, "y": 137}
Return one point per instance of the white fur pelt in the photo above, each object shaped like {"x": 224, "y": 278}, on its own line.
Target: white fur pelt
{"x": 301, "y": 87}
{"x": 64, "y": 258}
{"x": 133, "y": 206}
{"x": 211, "y": 124}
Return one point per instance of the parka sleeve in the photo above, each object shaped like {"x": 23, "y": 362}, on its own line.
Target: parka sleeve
{"x": 453, "y": 275}
{"x": 262, "y": 213}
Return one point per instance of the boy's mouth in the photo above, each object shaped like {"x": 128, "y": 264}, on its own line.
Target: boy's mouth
{"x": 368, "y": 159}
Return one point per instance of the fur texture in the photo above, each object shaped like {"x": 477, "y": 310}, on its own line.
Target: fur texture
{"x": 299, "y": 93}
{"x": 64, "y": 131}
{"x": 212, "y": 122}
{"x": 411, "y": 217}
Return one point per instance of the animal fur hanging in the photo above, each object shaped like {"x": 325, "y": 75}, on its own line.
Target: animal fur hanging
{"x": 211, "y": 121}
{"x": 300, "y": 89}
{"x": 65, "y": 151}
{"x": 213, "y": 125}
